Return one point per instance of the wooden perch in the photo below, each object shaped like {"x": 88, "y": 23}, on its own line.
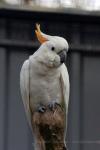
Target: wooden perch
{"x": 49, "y": 128}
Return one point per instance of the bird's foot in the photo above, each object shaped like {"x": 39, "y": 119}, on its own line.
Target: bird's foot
{"x": 41, "y": 109}
{"x": 53, "y": 105}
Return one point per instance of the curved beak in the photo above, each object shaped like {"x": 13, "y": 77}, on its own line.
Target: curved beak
{"x": 62, "y": 55}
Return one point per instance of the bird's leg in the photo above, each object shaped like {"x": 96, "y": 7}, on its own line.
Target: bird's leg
{"x": 53, "y": 105}
{"x": 41, "y": 109}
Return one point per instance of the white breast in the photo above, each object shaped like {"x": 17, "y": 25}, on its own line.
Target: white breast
{"x": 44, "y": 88}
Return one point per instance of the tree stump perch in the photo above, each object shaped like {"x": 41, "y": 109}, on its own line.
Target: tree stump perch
{"x": 49, "y": 129}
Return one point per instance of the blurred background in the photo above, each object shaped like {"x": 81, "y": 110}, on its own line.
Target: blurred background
{"x": 79, "y": 4}
{"x": 79, "y": 22}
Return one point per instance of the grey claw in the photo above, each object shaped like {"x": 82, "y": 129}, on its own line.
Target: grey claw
{"x": 41, "y": 109}
{"x": 53, "y": 105}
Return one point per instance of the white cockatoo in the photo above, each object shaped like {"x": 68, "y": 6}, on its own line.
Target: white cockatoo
{"x": 44, "y": 80}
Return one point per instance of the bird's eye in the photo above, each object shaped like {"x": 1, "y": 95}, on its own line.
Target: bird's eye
{"x": 52, "y": 48}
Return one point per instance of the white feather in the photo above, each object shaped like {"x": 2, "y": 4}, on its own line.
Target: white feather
{"x": 65, "y": 84}
{"x": 65, "y": 90}
{"x": 24, "y": 86}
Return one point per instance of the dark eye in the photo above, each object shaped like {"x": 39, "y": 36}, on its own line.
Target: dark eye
{"x": 52, "y": 48}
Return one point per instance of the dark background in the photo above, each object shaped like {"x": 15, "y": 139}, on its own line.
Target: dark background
{"x": 18, "y": 41}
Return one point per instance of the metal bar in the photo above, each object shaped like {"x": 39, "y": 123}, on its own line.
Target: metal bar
{"x": 34, "y": 8}
{"x": 28, "y": 44}
{"x": 3, "y": 100}
{"x": 16, "y": 43}
{"x": 58, "y": 14}
{"x": 74, "y": 105}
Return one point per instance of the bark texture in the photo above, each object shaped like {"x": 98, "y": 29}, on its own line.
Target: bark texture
{"x": 48, "y": 129}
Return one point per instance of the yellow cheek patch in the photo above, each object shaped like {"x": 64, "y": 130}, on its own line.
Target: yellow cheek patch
{"x": 40, "y": 37}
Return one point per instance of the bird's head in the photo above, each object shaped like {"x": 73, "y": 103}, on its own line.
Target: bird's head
{"x": 53, "y": 50}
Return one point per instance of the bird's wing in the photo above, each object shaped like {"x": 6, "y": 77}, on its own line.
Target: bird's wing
{"x": 65, "y": 85}
{"x": 64, "y": 78}
{"x": 24, "y": 86}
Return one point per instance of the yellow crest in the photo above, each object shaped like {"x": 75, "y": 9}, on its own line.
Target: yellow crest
{"x": 39, "y": 34}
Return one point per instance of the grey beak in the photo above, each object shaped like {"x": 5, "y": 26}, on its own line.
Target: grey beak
{"x": 62, "y": 55}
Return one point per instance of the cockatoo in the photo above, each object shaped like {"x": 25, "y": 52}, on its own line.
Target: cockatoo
{"x": 44, "y": 83}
